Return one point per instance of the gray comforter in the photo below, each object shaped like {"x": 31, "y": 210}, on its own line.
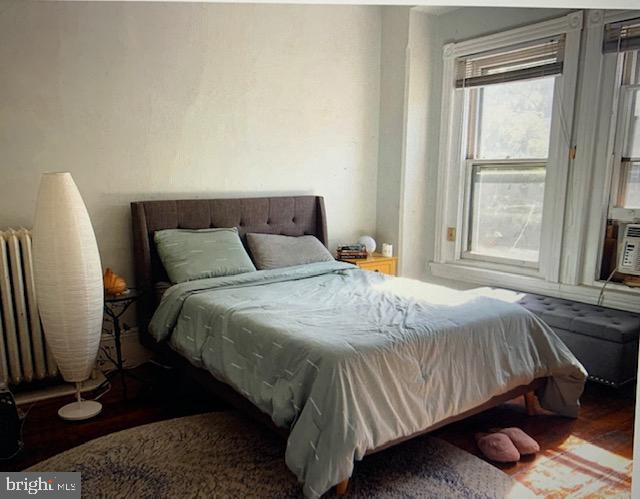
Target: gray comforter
{"x": 349, "y": 360}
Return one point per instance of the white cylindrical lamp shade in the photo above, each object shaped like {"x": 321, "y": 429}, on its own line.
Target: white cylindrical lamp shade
{"x": 68, "y": 276}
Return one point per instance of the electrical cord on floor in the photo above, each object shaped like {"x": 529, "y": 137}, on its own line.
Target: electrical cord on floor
{"x": 601, "y": 295}
{"x": 107, "y": 383}
{"x": 23, "y": 419}
{"x": 159, "y": 364}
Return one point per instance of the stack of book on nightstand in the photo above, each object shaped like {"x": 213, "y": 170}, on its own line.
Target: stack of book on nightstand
{"x": 352, "y": 252}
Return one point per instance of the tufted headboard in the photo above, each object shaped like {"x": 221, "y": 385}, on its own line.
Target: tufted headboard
{"x": 291, "y": 216}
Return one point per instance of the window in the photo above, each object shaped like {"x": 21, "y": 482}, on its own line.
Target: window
{"x": 505, "y": 141}
{"x": 610, "y": 140}
{"x": 628, "y": 191}
{"x": 508, "y": 130}
{"x": 622, "y": 39}
{"x": 621, "y": 42}
{"x": 509, "y": 95}
{"x": 528, "y": 183}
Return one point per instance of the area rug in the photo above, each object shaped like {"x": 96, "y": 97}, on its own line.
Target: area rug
{"x": 224, "y": 454}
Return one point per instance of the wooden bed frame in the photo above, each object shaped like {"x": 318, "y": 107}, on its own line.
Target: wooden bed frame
{"x": 298, "y": 215}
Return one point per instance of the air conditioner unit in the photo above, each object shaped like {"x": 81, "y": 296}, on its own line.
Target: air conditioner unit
{"x": 629, "y": 262}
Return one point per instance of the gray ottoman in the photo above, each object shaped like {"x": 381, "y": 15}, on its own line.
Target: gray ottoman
{"x": 603, "y": 339}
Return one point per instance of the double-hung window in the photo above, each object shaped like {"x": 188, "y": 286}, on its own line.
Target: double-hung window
{"x": 505, "y": 147}
{"x": 509, "y": 104}
{"x": 621, "y": 81}
{"x": 608, "y": 131}
{"x": 623, "y": 38}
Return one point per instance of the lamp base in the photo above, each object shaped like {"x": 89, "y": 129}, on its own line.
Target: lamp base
{"x": 77, "y": 411}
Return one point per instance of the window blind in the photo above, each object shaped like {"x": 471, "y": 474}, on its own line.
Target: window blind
{"x": 622, "y": 36}
{"x": 520, "y": 62}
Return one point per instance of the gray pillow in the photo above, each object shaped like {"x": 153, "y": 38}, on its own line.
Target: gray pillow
{"x": 271, "y": 251}
{"x": 188, "y": 255}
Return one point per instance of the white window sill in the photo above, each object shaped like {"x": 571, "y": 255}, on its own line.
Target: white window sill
{"x": 630, "y": 215}
{"x": 483, "y": 262}
{"x": 616, "y": 295}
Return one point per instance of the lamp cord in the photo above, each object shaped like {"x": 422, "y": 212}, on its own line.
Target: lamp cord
{"x": 601, "y": 295}
{"x": 23, "y": 419}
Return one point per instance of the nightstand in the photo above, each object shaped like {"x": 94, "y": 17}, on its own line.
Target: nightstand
{"x": 115, "y": 306}
{"x": 377, "y": 263}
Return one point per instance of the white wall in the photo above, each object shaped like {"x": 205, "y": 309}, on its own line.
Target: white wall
{"x": 150, "y": 100}
{"x": 395, "y": 37}
{"x": 418, "y": 123}
{"x": 404, "y": 120}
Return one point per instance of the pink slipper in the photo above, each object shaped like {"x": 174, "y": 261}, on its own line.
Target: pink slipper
{"x": 523, "y": 442}
{"x": 497, "y": 447}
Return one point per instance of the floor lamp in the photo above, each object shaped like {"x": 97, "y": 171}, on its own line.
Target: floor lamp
{"x": 68, "y": 279}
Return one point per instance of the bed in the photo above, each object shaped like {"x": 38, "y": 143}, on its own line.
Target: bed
{"x": 343, "y": 361}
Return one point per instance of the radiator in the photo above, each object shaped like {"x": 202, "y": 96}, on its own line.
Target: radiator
{"x": 24, "y": 356}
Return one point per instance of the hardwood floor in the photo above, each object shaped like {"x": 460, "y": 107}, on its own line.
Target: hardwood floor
{"x": 585, "y": 457}
{"x": 157, "y": 396}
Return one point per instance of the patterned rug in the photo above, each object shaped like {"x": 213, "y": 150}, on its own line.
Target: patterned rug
{"x": 224, "y": 454}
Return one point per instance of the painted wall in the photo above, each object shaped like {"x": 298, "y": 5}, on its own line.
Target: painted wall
{"x": 417, "y": 124}
{"x": 395, "y": 37}
{"x": 145, "y": 101}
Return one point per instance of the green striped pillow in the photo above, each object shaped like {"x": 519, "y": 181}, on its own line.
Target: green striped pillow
{"x": 188, "y": 255}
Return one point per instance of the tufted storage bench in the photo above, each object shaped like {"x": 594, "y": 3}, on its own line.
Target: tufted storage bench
{"x": 603, "y": 339}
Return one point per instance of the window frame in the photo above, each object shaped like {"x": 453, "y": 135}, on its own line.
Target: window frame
{"x": 471, "y": 136}
{"x": 452, "y": 205}
{"x": 604, "y": 74}
{"x": 623, "y": 91}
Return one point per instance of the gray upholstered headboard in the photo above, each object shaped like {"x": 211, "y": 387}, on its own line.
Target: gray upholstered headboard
{"x": 292, "y": 216}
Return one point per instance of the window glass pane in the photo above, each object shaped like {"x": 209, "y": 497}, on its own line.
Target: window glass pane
{"x": 506, "y": 211}
{"x": 514, "y": 119}
{"x": 632, "y": 146}
{"x": 631, "y": 184}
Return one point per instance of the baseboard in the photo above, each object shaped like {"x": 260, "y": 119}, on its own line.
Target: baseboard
{"x": 60, "y": 390}
{"x": 133, "y": 353}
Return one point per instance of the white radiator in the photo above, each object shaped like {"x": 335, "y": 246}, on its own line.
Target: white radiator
{"x": 24, "y": 356}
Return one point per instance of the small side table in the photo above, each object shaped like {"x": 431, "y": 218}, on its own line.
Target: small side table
{"x": 377, "y": 263}
{"x": 115, "y": 306}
